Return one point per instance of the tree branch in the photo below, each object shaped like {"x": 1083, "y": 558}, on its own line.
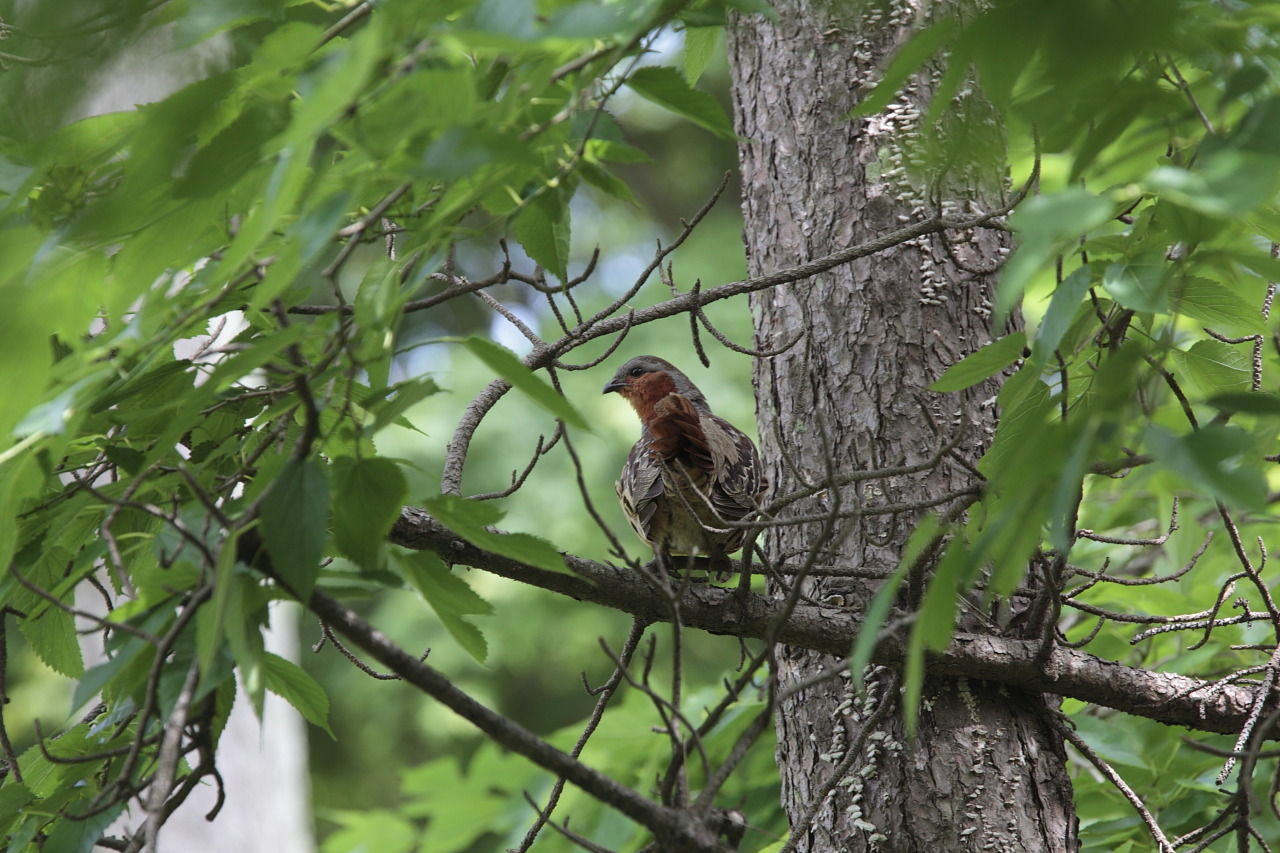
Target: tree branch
{"x": 1164, "y": 697}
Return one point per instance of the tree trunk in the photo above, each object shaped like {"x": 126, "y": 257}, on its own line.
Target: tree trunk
{"x": 986, "y": 771}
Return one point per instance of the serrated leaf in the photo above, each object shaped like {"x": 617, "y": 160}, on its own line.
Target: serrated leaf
{"x": 450, "y": 597}
{"x": 1211, "y": 303}
{"x": 543, "y": 230}
{"x": 1140, "y": 284}
{"x": 469, "y": 519}
{"x": 1212, "y": 458}
{"x": 368, "y": 494}
{"x": 294, "y": 515}
{"x": 1212, "y": 367}
{"x": 668, "y": 88}
{"x": 13, "y": 796}
{"x": 699, "y": 46}
{"x": 294, "y": 685}
{"x": 507, "y": 364}
{"x": 53, "y": 638}
{"x": 984, "y": 363}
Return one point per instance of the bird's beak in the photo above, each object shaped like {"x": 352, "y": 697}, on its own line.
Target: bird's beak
{"x": 615, "y": 384}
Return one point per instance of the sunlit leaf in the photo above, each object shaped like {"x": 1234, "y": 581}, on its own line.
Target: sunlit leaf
{"x": 699, "y": 45}
{"x": 1210, "y": 302}
{"x": 53, "y": 638}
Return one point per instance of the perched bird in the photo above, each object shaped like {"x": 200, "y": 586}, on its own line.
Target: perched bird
{"x": 691, "y": 474}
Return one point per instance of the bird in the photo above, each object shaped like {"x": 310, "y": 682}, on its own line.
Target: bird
{"x": 692, "y": 475}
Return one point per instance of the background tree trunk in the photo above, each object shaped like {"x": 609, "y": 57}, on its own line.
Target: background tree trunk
{"x": 986, "y": 771}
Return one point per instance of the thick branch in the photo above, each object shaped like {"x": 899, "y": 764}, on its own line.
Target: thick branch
{"x": 1165, "y": 698}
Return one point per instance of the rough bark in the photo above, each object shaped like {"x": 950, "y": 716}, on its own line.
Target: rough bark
{"x": 986, "y": 771}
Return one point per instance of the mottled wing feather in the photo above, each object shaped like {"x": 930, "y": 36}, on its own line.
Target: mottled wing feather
{"x": 639, "y": 488}
{"x": 739, "y": 482}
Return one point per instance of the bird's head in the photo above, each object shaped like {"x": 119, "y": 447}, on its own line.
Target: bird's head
{"x": 646, "y": 379}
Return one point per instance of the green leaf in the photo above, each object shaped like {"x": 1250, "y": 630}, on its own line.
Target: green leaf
{"x": 383, "y": 830}
{"x": 1212, "y": 367}
{"x": 1139, "y": 284}
{"x": 1210, "y": 302}
{"x": 604, "y": 180}
{"x": 1226, "y": 183}
{"x": 1046, "y": 225}
{"x": 1214, "y": 459}
{"x": 668, "y": 88}
{"x": 449, "y": 596}
{"x": 699, "y": 46}
{"x": 984, "y": 363}
{"x": 210, "y": 619}
{"x": 1246, "y": 402}
{"x": 294, "y": 515}
{"x": 1060, "y": 314}
{"x": 13, "y": 797}
{"x": 886, "y": 596}
{"x": 53, "y": 638}
{"x": 461, "y": 152}
{"x": 919, "y": 49}
{"x": 294, "y": 685}
{"x": 937, "y": 616}
{"x": 243, "y": 627}
{"x": 368, "y": 494}
{"x": 82, "y": 836}
{"x": 607, "y": 151}
{"x": 388, "y": 404}
{"x": 470, "y": 519}
{"x": 543, "y": 230}
{"x": 507, "y": 364}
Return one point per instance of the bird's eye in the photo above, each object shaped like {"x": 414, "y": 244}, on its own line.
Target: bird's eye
{"x": 636, "y": 371}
